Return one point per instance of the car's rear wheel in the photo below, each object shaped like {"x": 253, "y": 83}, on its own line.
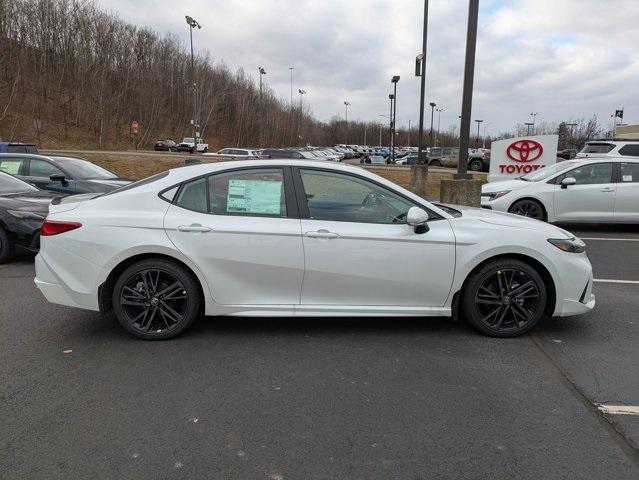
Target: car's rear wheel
{"x": 528, "y": 208}
{"x": 504, "y": 298}
{"x": 435, "y": 163}
{"x": 476, "y": 165}
{"x": 156, "y": 299}
{"x": 6, "y": 246}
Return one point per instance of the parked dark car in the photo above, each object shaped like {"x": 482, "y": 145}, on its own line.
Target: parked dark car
{"x": 165, "y": 146}
{"x": 22, "y": 211}
{"x": 61, "y": 174}
{"x": 18, "y": 147}
{"x": 567, "y": 153}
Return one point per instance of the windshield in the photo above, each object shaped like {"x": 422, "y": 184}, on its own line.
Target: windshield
{"x": 546, "y": 172}
{"x": 83, "y": 169}
{"x": 9, "y": 184}
{"x": 188, "y": 140}
{"x": 597, "y": 148}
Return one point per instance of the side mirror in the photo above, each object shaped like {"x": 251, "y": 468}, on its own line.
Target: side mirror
{"x": 58, "y": 177}
{"x": 568, "y": 181}
{"x": 418, "y": 218}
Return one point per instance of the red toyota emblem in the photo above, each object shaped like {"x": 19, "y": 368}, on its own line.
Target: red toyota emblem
{"x": 524, "y": 151}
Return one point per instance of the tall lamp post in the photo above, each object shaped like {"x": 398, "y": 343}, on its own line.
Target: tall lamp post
{"x": 346, "y": 104}
{"x": 194, "y": 121}
{"x": 291, "y": 69}
{"x": 418, "y": 171}
{"x": 478, "y": 123}
{"x": 528, "y": 125}
{"x": 439, "y": 121}
{"x": 391, "y": 97}
{"x": 301, "y": 92}
{"x": 394, "y": 81}
{"x": 533, "y": 115}
{"x": 432, "y": 114}
{"x": 262, "y": 72}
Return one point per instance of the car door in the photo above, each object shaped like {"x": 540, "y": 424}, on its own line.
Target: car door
{"x": 627, "y": 196}
{"x": 592, "y": 198}
{"x": 359, "y": 251}
{"x": 242, "y": 229}
{"x": 38, "y": 173}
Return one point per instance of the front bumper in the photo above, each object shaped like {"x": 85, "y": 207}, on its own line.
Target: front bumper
{"x": 575, "y": 295}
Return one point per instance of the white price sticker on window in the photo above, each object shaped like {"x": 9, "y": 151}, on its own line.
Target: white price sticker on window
{"x": 261, "y": 197}
{"x": 627, "y": 178}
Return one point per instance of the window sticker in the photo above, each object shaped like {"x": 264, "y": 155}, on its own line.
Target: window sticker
{"x": 10, "y": 167}
{"x": 254, "y": 196}
{"x": 627, "y": 178}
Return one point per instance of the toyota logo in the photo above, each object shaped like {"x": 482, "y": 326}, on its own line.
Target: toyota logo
{"x": 524, "y": 151}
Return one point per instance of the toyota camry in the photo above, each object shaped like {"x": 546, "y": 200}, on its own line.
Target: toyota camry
{"x": 300, "y": 238}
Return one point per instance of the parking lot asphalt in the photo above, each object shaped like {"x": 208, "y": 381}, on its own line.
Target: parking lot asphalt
{"x": 322, "y": 398}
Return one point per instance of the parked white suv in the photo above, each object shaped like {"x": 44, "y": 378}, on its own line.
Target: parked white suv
{"x": 610, "y": 148}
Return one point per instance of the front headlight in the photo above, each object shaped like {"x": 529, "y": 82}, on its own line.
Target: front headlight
{"x": 570, "y": 245}
{"x": 495, "y": 195}
{"x": 25, "y": 215}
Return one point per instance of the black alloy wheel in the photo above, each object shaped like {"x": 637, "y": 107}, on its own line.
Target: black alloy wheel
{"x": 505, "y": 298}
{"x": 6, "y": 247}
{"x": 528, "y": 208}
{"x": 156, "y": 299}
{"x": 476, "y": 165}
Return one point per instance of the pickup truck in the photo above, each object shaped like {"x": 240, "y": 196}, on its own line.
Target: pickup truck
{"x": 188, "y": 145}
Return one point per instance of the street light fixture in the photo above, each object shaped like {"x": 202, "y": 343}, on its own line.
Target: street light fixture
{"x": 194, "y": 121}
{"x": 346, "y": 104}
{"x": 394, "y": 81}
{"x": 529, "y": 124}
{"x": 301, "y": 92}
{"x": 533, "y": 115}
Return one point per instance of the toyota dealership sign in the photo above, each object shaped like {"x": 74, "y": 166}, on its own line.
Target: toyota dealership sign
{"x": 515, "y": 157}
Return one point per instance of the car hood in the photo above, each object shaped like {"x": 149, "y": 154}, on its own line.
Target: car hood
{"x": 37, "y": 202}
{"x": 511, "y": 220}
{"x": 502, "y": 185}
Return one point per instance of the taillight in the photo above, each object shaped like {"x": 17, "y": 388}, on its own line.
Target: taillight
{"x": 54, "y": 227}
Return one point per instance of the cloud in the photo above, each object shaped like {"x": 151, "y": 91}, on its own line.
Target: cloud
{"x": 564, "y": 59}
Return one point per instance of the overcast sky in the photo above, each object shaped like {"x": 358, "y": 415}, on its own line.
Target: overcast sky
{"x": 564, "y": 59}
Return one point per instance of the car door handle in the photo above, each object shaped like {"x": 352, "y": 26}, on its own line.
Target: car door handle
{"x": 607, "y": 189}
{"x": 322, "y": 234}
{"x": 194, "y": 227}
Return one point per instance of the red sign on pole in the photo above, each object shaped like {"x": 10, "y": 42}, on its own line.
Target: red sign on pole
{"x": 135, "y": 127}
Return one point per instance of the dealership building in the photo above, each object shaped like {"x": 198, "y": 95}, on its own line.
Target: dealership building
{"x": 631, "y": 132}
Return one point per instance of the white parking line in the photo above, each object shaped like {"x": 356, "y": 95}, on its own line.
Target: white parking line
{"x": 606, "y": 239}
{"x": 618, "y": 409}
{"x": 606, "y": 280}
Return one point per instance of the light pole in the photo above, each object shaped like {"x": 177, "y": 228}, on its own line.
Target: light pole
{"x": 478, "y": 123}
{"x": 291, "y": 69}
{"x": 439, "y": 121}
{"x": 390, "y": 117}
{"x": 194, "y": 121}
{"x": 432, "y": 114}
{"x": 346, "y": 104}
{"x": 528, "y": 125}
{"x": 533, "y": 115}
{"x": 394, "y": 81}
{"x": 301, "y": 92}
{"x": 408, "y": 142}
{"x": 380, "y": 133}
{"x": 262, "y": 72}
{"x": 483, "y": 145}
{"x": 572, "y": 138}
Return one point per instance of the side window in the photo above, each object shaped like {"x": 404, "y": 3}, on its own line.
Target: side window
{"x": 630, "y": 172}
{"x": 11, "y": 166}
{"x": 258, "y": 192}
{"x": 445, "y": 151}
{"x": 346, "y": 198}
{"x": 630, "y": 150}
{"x": 592, "y": 174}
{"x": 192, "y": 196}
{"x": 40, "y": 168}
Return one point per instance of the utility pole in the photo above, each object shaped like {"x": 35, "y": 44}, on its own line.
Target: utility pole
{"x": 194, "y": 121}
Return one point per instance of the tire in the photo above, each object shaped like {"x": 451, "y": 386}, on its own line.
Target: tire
{"x": 156, "y": 306}
{"x": 476, "y": 165}
{"x": 528, "y": 208}
{"x": 504, "y": 298}
{"x": 6, "y": 246}
{"x": 205, "y": 150}
{"x": 435, "y": 163}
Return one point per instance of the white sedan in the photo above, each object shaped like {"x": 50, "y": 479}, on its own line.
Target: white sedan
{"x": 604, "y": 189}
{"x": 301, "y": 238}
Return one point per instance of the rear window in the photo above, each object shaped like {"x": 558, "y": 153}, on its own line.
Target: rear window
{"x": 629, "y": 150}
{"x": 22, "y": 149}
{"x": 597, "y": 148}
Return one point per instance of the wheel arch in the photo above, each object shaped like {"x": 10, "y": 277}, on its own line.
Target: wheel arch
{"x": 106, "y": 288}
{"x": 534, "y": 263}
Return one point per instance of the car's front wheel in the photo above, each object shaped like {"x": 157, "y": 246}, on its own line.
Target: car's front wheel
{"x": 6, "y": 247}
{"x": 528, "y": 208}
{"x": 504, "y": 298}
{"x": 435, "y": 163}
{"x": 156, "y": 299}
